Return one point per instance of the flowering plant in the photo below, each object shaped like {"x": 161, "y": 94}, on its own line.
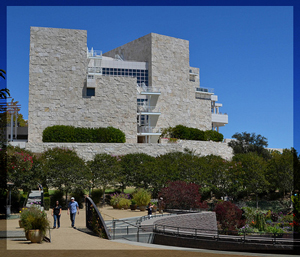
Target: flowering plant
{"x": 33, "y": 218}
{"x": 121, "y": 200}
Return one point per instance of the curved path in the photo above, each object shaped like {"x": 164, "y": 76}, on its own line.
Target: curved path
{"x": 67, "y": 238}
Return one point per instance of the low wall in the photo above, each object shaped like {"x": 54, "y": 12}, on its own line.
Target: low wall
{"x": 88, "y": 150}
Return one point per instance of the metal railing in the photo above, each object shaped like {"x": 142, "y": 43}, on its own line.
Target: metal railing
{"x": 94, "y": 220}
{"x": 146, "y": 108}
{"x": 204, "y": 90}
{"x": 141, "y": 88}
{"x": 95, "y": 70}
{"x": 147, "y": 129}
{"x": 94, "y": 53}
{"x": 225, "y": 235}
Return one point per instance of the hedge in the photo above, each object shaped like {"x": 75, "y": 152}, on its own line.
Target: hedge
{"x": 47, "y": 203}
{"x": 183, "y": 132}
{"x": 71, "y": 134}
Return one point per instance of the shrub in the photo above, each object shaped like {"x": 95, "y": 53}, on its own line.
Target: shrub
{"x": 183, "y": 132}
{"x": 142, "y": 197}
{"x": 61, "y": 133}
{"x": 47, "y": 203}
{"x": 34, "y": 218}
{"x": 116, "y": 198}
{"x": 213, "y": 136}
{"x": 96, "y": 195}
{"x": 229, "y": 216}
{"x": 124, "y": 203}
{"x": 182, "y": 195}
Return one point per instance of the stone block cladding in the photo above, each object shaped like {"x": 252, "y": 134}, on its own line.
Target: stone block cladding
{"x": 87, "y": 151}
{"x": 57, "y": 83}
{"x": 168, "y": 66}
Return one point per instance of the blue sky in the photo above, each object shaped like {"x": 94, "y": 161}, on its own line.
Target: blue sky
{"x": 244, "y": 52}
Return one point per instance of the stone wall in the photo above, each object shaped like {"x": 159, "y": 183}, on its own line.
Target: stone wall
{"x": 168, "y": 66}
{"x": 204, "y": 222}
{"x": 57, "y": 84}
{"x": 88, "y": 150}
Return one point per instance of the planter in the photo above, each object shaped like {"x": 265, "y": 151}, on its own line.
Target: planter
{"x": 143, "y": 208}
{"x": 35, "y": 236}
{"x": 133, "y": 207}
{"x": 115, "y": 206}
{"x": 154, "y": 209}
{"x": 27, "y": 235}
{"x": 21, "y": 224}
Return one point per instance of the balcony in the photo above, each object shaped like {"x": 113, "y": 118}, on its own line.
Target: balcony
{"x": 142, "y": 89}
{"x": 94, "y": 53}
{"x": 148, "y": 109}
{"x": 146, "y": 130}
{"x": 204, "y": 90}
{"x": 95, "y": 70}
{"x": 219, "y": 118}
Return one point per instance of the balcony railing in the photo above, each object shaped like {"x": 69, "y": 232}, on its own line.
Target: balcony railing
{"x": 146, "y": 129}
{"x": 94, "y": 53}
{"x": 145, "y": 108}
{"x": 204, "y": 90}
{"x": 142, "y": 88}
{"x": 95, "y": 70}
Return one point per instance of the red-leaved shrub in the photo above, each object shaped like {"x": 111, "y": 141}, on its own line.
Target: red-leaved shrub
{"x": 182, "y": 195}
{"x": 229, "y": 216}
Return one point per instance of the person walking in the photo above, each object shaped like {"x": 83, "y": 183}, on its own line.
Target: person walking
{"x": 56, "y": 212}
{"x": 150, "y": 210}
{"x": 73, "y": 207}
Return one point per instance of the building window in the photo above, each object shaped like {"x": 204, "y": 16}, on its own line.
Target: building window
{"x": 90, "y": 91}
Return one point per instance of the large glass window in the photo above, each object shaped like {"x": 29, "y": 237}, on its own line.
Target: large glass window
{"x": 141, "y": 75}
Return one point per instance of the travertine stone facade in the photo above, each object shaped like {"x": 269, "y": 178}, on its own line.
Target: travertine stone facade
{"x": 168, "y": 65}
{"x": 88, "y": 150}
{"x": 57, "y": 82}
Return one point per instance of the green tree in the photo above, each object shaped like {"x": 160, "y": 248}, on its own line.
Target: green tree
{"x": 249, "y": 142}
{"x": 65, "y": 170}
{"x": 104, "y": 169}
{"x": 254, "y": 173}
{"x": 19, "y": 168}
{"x": 281, "y": 171}
{"x": 135, "y": 171}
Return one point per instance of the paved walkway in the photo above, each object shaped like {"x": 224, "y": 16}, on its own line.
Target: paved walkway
{"x": 67, "y": 238}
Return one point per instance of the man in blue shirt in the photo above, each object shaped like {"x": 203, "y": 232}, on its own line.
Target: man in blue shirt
{"x": 73, "y": 207}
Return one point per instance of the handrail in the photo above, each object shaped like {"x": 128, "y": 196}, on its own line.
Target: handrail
{"x": 146, "y": 108}
{"x": 94, "y": 220}
{"x": 147, "y": 129}
{"x": 204, "y": 89}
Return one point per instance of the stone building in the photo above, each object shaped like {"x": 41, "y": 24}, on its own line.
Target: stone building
{"x": 141, "y": 87}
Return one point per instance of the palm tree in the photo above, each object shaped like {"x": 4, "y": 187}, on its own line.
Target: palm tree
{"x": 4, "y": 92}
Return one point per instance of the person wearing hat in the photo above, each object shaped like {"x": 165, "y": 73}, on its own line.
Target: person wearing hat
{"x": 73, "y": 207}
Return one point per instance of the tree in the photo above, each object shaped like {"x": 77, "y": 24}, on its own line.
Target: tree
{"x": 7, "y": 116}
{"x": 4, "y": 92}
{"x": 254, "y": 173}
{"x": 134, "y": 170}
{"x": 19, "y": 168}
{"x": 104, "y": 169}
{"x": 281, "y": 171}
{"x": 65, "y": 170}
{"x": 182, "y": 195}
{"x": 246, "y": 143}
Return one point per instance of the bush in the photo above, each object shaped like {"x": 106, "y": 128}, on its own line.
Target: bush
{"x": 213, "y": 136}
{"x": 117, "y": 200}
{"x": 182, "y": 195}
{"x": 96, "y": 195}
{"x": 47, "y": 203}
{"x": 229, "y": 216}
{"x": 183, "y": 132}
{"x": 70, "y": 134}
{"x": 142, "y": 197}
